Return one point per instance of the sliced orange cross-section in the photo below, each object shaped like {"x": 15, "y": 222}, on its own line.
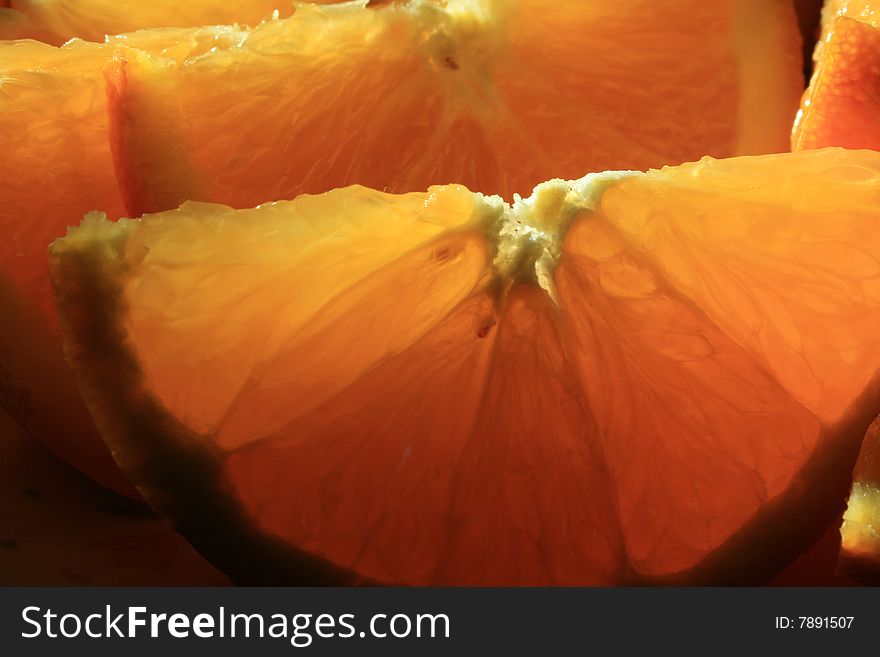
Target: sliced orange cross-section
{"x": 493, "y": 94}
{"x": 659, "y": 377}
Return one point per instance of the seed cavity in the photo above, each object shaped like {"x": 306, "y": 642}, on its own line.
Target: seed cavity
{"x": 486, "y": 328}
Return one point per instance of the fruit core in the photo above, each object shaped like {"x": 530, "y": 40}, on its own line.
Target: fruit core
{"x": 528, "y": 234}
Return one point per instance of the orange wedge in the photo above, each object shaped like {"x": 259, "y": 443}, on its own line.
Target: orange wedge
{"x": 493, "y": 94}
{"x": 659, "y": 377}
{"x": 56, "y": 165}
{"x": 841, "y": 105}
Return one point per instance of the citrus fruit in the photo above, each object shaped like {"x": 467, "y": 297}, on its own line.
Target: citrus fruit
{"x": 659, "y": 377}
{"x": 499, "y": 95}
{"x": 841, "y": 105}
{"x": 58, "y": 528}
{"x": 58, "y": 21}
{"x": 493, "y": 94}
{"x": 56, "y": 165}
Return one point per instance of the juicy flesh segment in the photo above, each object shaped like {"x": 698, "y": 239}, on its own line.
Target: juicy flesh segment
{"x": 839, "y": 107}
{"x": 864, "y": 11}
{"x": 843, "y": 102}
{"x": 56, "y": 163}
{"x": 695, "y": 432}
{"x": 55, "y": 166}
{"x": 785, "y": 296}
{"x": 378, "y": 393}
{"x": 496, "y": 95}
{"x": 326, "y": 252}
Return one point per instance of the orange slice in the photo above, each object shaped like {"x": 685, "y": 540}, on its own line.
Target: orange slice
{"x": 841, "y": 105}
{"x": 56, "y": 165}
{"x": 499, "y": 95}
{"x": 58, "y": 21}
{"x": 658, "y": 377}
{"x": 493, "y": 94}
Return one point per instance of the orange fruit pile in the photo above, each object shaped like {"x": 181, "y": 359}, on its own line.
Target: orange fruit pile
{"x": 496, "y": 94}
{"x": 659, "y": 377}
